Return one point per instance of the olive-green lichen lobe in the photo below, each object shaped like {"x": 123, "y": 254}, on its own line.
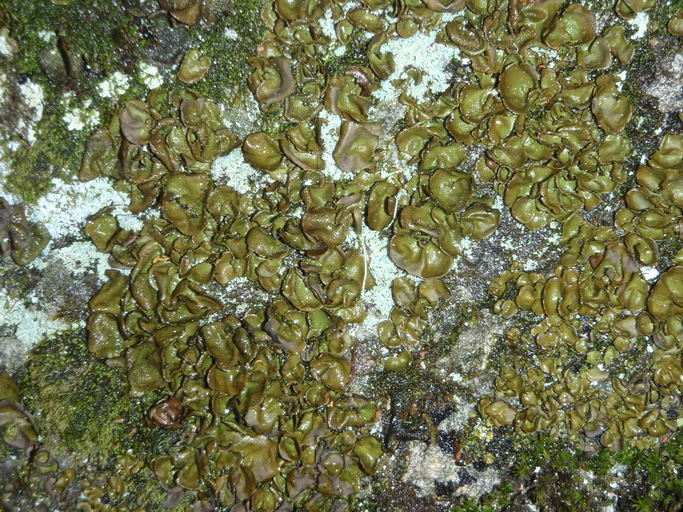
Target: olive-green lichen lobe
{"x": 335, "y": 194}
{"x": 92, "y": 429}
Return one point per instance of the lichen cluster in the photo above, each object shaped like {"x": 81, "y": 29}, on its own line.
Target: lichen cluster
{"x": 20, "y": 239}
{"x": 553, "y": 134}
{"x": 18, "y": 431}
{"x": 275, "y": 424}
{"x": 267, "y": 393}
{"x": 595, "y": 310}
{"x": 265, "y": 402}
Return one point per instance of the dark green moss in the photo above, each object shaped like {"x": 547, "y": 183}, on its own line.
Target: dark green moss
{"x": 56, "y": 153}
{"x": 27, "y": 19}
{"x": 18, "y": 281}
{"x": 86, "y": 419}
{"x": 660, "y": 15}
{"x": 227, "y": 78}
{"x": 113, "y": 46}
{"x": 83, "y": 403}
{"x": 655, "y": 477}
{"x": 668, "y": 249}
{"x": 552, "y": 474}
{"x": 647, "y": 118}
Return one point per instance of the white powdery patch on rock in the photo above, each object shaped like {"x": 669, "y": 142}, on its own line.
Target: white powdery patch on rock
{"x": 150, "y": 75}
{"x": 530, "y": 265}
{"x": 381, "y": 267}
{"x": 64, "y": 210}
{"x": 422, "y": 52}
{"x": 476, "y": 342}
{"x": 234, "y": 171}
{"x": 428, "y": 464}
{"x": 378, "y": 300}
{"x": 640, "y": 23}
{"x": 668, "y": 86}
{"x": 47, "y": 35}
{"x": 4, "y": 171}
{"x": 130, "y": 221}
{"x": 79, "y": 117}
{"x": 329, "y": 136}
{"x": 7, "y": 44}
{"x": 242, "y": 120}
{"x": 23, "y": 327}
{"x": 79, "y": 259}
{"x": 622, "y": 79}
{"x": 113, "y": 86}
{"x": 649, "y": 273}
{"x": 33, "y": 98}
{"x": 327, "y": 27}
{"x": 458, "y": 419}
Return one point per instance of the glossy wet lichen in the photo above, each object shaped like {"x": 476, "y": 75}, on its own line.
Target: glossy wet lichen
{"x": 91, "y": 434}
{"x": 269, "y": 400}
{"x": 20, "y": 239}
{"x": 271, "y": 416}
{"x": 600, "y": 306}
{"x": 77, "y": 76}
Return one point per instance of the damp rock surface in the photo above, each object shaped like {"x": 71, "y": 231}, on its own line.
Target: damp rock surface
{"x": 329, "y": 256}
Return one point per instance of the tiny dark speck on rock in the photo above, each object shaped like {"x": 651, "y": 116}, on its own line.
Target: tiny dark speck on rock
{"x": 479, "y": 465}
{"x": 447, "y": 442}
{"x": 441, "y": 414}
{"x": 165, "y": 43}
{"x": 466, "y": 479}
{"x": 444, "y": 489}
{"x": 501, "y": 445}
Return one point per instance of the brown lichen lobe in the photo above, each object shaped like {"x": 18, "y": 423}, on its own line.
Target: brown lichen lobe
{"x": 20, "y": 239}
{"x": 555, "y": 148}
